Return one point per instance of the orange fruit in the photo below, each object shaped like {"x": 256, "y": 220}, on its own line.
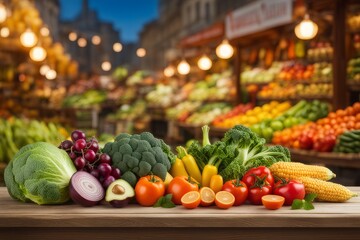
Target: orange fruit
{"x": 272, "y": 202}
{"x": 207, "y": 196}
{"x": 191, "y": 199}
{"x": 224, "y": 199}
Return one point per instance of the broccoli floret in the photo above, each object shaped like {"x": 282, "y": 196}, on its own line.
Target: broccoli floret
{"x": 122, "y": 136}
{"x": 143, "y": 146}
{"x": 147, "y": 136}
{"x": 121, "y": 165}
{"x": 149, "y": 158}
{"x": 159, "y": 170}
{"x": 136, "y": 170}
{"x": 136, "y": 155}
{"x": 117, "y": 157}
{"x": 131, "y": 162}
{"x": 130, "y": 178}
{"x": 135, "y": 136}
{"x": 122, "y": 142}
{"x": 144, "y": 168}
{"x": 125, "y": 149}
{"x": 107, "y": 147}
{"x": 133, "y": 143}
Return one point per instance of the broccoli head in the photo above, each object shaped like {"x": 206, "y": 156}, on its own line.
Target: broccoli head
{"x": 138, "y": 155}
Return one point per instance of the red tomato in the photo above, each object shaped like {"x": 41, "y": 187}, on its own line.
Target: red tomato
{"x": 149, "y": 189}
{"x": 290, "y": 190}
{"x": 259, "y": 175}
{"x": 238, "y": 189}
{"x": 181, "y": 185}
{"x": 256, "y": 193}
{"x": 260, "y": 182}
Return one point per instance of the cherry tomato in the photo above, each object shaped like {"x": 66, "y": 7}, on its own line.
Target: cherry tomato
{"x": 256, "y": 193}
{"x": 238, "y": 189}
{"x": 258, "y": 174}
{"x": 181, "y": 185}
{"x": 149, "y": 189}
{"x": 290, "y": 190}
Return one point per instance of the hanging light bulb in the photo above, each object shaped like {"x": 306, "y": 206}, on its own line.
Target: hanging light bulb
{"x": 3, "y": 13}
{"x": 204, "y": 63}
{"x": 44, "y": 69}
{"x": 73, "y": 36}
{"x": 183, "y": 68}
{"x": 44, "y": 31}
{"x": 106, "y": 66}
{"x": 82, "y": 42}
{"x": 37, "y": 54}
{"x": 306, "y": 29}
{"x": 28, "y": 38}
{"x": 141, "y": 52}
{"x": 224, "y": 50}
{"x": 96, "y": 40}
{"x": 117, "y": 47}
{"x": 169, "y": 71}
{"x": 51, "y": 74}
{"x": 4, "y": 32}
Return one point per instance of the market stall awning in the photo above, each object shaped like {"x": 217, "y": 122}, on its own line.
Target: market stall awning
{"x": 212, "y": 33}
{"x": 258, "y": 16}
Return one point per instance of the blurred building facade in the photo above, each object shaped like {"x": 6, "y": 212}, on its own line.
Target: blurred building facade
{"x": 92, "y": 42}
{"x": 49, "y": 11}
{"x": 177, "y": 20}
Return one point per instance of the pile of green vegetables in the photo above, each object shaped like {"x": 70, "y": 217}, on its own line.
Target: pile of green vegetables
{"x": 86, "y": 99}
{"x": 14, "y": 136}
{"x": 348, "y": 142}
{"x": 139, "y": 155}
{"x": 239, "y": 150}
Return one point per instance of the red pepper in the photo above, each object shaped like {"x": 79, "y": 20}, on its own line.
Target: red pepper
{"x": 306, "y": 141}
{"x": 325, "y": 143}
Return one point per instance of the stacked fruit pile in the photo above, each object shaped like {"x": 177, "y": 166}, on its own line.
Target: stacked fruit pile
{"x": 267, "y": 111}
{"x": 321, "y": 135}
{"x": 298, "y": 91}
{"x": 301, "y": 113}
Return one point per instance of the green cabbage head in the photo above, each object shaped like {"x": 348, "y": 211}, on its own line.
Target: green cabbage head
{"x": 39, "y": 172}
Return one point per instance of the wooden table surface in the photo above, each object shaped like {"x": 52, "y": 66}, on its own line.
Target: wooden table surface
{"x": 326, "y": 218}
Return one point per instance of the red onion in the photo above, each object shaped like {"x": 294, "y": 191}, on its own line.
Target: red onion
{"x": 85, "y": 189}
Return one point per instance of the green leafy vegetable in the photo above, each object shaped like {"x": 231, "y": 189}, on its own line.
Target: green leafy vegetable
{"x": 138, "y": 155}
{"x": 39, "y": 172}
{"x": 305, "y": 203}
{"x": 239, "y": 150}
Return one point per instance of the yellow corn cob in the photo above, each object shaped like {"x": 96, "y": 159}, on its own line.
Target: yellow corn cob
{"x": 326, "y": 191}
{"x": 295, "y": 169}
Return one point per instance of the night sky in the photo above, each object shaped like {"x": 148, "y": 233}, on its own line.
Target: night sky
{"x": 128, "y": 16}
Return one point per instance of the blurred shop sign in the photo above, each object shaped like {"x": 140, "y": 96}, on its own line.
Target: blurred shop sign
{"x": 258, "y": 16}
{"x": 211, "y": 33}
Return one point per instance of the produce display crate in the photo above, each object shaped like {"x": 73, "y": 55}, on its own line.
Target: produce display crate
{"x": 116, "y": 127}
{"x": 82, "y": 118}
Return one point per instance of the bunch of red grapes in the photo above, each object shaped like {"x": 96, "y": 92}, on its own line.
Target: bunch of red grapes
{"x": 86, "y": 156}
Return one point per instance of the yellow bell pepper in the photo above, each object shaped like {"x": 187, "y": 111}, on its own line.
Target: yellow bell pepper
{"x": 190, "y": 164}
{"x": 178, "y": 168}
{"x": 216, "y": 183}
